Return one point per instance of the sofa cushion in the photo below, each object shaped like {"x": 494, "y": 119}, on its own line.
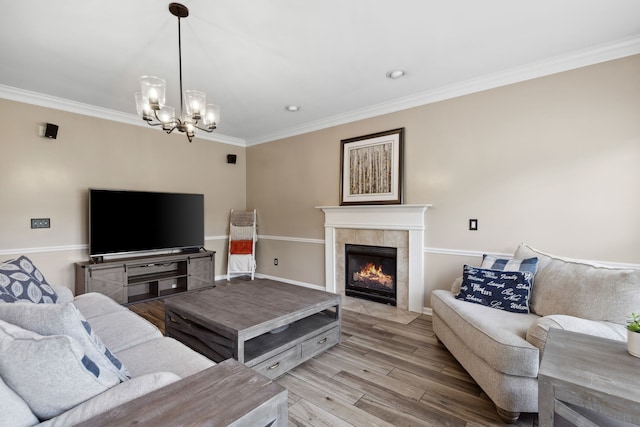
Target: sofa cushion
{"x": 15, "y": 411}
{"x": 164, "y": 354}
{"x": 502, "y": 290}
{"x": 21, "y": 280}
{"x": 112, "y": 398}
{"x": 123, "y": 329}
{"x": 497, "y": 336}
{"x": 580, "y": 289}
{"x": 63, "y": 319}
{"x": 509, "y": 264}
{"x": 50, "y": 373}
{"x": 94, "y": 304}
{"x": 538, "y": 331}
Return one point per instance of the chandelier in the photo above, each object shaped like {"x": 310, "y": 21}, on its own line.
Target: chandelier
{"x": 195, "y": 113}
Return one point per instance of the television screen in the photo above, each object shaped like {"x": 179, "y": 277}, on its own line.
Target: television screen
{"x": 134, "y": 221}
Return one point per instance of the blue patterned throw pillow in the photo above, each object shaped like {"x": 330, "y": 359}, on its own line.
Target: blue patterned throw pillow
{"x": 503, "y": 290}
{"x": 21, "y": 280}
{"x": 510, "y": 264}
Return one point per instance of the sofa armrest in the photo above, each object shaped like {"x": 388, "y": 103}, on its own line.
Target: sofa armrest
{"x": 114, "y": 397}
{"x": 455, "y": 287}
{"x": 538, "y": 331}
{"x": 64, "y": 294}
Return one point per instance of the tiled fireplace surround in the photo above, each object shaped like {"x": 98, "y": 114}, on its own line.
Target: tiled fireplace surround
{"x": 396, "y": 226}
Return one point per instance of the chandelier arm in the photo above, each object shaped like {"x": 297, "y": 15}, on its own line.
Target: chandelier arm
{"x": 168, "y": 131}
{"x": 151, "y": 123}
{"x": 205, "y": 129}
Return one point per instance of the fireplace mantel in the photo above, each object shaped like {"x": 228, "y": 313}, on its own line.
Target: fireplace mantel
{"x": 380, "y": 217}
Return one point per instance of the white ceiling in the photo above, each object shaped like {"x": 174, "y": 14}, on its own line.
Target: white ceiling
{"x": 253, "y": 57}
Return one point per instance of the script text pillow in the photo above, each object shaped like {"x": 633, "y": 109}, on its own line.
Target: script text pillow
{"x": 21, "y": 280}
{"x": 503, "y": 290}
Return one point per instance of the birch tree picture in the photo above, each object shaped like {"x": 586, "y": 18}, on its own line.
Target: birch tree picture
{"x": 372, "y": 169}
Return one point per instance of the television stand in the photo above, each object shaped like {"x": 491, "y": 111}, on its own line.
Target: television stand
{"x": 137, "y": 279}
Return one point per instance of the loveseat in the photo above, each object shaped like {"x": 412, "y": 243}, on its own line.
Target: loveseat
{"x": 502, "y": 349}
{"x": 64, "y": 360}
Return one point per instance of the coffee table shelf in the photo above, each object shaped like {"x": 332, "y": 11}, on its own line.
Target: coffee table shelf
{"x": 263, "y": 346}
{"x": 241, "y": 321}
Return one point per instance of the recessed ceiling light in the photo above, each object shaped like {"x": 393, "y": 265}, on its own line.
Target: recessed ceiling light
{"x": 292, "y": 108}
{"x": 395, "y": 74}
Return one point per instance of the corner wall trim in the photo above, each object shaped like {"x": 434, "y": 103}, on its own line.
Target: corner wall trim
{"x": 427, "y": 250}
{"x": 478, "y": 254}
{"x": 292, "y": 239}
{"x": 463, "y": 252}
{"x": 44, "y": 249}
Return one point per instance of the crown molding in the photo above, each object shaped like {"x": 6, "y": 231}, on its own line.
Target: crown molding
{"x": 47, "y": 101}
{"x": 581, "y": 58}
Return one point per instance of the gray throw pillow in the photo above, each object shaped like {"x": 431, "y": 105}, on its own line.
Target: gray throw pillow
{"x": 64, "y": 319}
{"x": 15, "y": 411}
{"x": 580, "y": 289}
{"x": 50, "y": 373}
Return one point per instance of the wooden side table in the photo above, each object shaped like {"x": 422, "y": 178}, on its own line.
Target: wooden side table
{"x": 580, "y": 372}
{"x": 228, "y": 394}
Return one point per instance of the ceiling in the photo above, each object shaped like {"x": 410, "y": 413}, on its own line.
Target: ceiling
{"x": 330, "y": 57}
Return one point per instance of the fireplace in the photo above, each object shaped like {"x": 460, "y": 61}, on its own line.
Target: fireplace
{"x": 399, "y": 226}
{"x": 370, "y": 273}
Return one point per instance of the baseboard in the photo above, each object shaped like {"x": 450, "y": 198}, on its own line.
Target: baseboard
{"x": 279, "y": 279}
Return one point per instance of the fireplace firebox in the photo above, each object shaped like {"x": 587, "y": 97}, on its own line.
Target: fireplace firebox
{"x": 371, "y": 273}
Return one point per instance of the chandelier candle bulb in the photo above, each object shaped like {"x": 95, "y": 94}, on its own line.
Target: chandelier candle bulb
{"x": 212, "y": 115}
{"x": 153, "y": 90}
{"x": 194, "y": 101}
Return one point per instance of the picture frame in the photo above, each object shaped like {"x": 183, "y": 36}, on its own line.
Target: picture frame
{"x": 371, "y": 170}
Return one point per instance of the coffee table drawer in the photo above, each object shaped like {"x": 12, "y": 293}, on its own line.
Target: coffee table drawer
{"x": 280, "y": 363}
{"x": 320, "y": 342}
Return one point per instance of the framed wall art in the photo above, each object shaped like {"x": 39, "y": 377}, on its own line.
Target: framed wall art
{"x": 371, "y": 171}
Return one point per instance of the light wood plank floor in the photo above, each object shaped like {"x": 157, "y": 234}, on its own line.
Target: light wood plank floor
{"x": 383, "y": 373}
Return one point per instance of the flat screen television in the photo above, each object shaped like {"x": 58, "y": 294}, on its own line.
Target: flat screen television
{"x": 139, "y": 221}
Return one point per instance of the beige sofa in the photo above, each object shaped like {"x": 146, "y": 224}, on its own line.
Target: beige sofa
{"x": 501, "y": 350}
{"x": 49, "y": 384}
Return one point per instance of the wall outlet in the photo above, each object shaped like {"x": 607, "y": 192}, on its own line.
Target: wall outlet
{"x": 275, "y": 261}
{"x": 473, "y": 224}
{"x": 40, "y": 222}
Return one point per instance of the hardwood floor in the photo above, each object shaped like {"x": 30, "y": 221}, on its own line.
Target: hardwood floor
{"x": 383, "y": 373}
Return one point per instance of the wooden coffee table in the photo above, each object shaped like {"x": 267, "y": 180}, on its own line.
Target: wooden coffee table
{"x": 585, "y": 378}
{"x": 267, "y": 325}
{"x": 228, "y": 394}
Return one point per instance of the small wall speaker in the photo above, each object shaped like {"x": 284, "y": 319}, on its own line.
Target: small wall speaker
{"x": 51, "y": 131}
{"x": 231, "y": 159}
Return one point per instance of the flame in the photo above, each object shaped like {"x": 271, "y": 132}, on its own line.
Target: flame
{"x": 373, "y": 273}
